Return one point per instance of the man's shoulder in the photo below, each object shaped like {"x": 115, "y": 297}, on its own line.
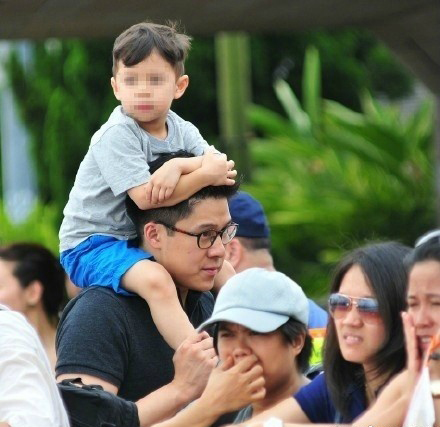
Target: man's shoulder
{"x": 199, "y": 306}
{"x": 98, "y": 301}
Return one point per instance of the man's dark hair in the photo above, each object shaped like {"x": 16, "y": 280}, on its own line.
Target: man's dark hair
{"x": 140, "y": 40}
{"x": 35, "y": 262}
{"x": 171, "y": 214}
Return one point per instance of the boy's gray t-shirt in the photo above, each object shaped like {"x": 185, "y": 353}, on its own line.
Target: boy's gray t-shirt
{"x": 116, "y": 161}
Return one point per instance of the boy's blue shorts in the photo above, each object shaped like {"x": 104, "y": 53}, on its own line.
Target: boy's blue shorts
{"x": 102, "y": 260}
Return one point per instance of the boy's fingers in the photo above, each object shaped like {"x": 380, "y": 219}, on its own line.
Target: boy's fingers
{"x": 231, "y": 164}
{"x": 231, "y": 174}
{"x": 230, "y": 181}
{"x": 148, "y": 189}
{"x": 168, "y": 193}
{"x": 154, "y": 195}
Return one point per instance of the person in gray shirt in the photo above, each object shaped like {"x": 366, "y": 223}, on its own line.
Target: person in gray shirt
{"x": 96, "y": 233}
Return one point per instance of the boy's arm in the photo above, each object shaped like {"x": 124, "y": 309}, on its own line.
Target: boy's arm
{"x": 215, "y": 169}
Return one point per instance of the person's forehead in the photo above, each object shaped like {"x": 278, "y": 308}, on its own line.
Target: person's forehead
{"x": 153, "y": 62}
{"x": 208, "y": 212}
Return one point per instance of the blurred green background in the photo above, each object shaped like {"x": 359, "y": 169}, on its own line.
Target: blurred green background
{"x": 335, "y": 158}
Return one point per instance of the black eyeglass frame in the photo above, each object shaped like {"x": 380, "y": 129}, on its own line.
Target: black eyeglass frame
{"x": 220, "y": 233}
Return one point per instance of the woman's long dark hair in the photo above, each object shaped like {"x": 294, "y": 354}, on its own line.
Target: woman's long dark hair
{"x": 383, "y": 268}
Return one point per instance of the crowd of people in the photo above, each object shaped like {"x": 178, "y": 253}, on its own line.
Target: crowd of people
{"x": 183, "y": 319}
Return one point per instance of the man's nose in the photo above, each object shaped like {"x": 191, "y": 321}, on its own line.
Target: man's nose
{"x": 217, "y": 249}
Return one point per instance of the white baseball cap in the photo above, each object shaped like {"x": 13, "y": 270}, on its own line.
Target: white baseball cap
{"x": 260, "y": 300}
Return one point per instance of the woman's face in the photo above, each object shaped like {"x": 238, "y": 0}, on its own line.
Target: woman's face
{"x": 359, "y": 338}
{"x": 424, "y": 300}
{"x": 274, "y": 353}
{"x": 11, "y": 292}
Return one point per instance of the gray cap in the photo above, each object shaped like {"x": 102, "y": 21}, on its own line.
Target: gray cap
{"x": 260, "y": 300}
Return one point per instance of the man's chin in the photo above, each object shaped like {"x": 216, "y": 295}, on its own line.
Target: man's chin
{"x": 197, "y": 285}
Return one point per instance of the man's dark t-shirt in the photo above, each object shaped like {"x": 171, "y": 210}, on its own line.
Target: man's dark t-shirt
{"x": 113, "y": 337}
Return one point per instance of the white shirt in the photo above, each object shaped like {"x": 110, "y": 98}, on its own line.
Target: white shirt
{"x": 29, "y": 396}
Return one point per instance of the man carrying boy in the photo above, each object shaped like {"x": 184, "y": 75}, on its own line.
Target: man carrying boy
{"x": 111, "y": 340}
{"x": 96, "y": 233}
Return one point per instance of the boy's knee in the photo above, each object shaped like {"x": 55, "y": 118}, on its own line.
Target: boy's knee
{"x": 150, "y": 279}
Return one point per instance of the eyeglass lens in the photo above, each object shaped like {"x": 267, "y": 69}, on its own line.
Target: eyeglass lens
{"x": 207, "y": 238}
{"x": 368, "y": 308}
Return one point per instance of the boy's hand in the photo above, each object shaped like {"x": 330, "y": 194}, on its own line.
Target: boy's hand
{"x": 218, "y": 169}
{"x": 163, "y": 182}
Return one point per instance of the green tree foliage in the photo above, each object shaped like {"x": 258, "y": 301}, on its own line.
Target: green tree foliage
{"x": 65, "y": 95}
{"x": 63, "y": 98}
{"x": 40, "y": 227}
{"x": 331, "y": 178}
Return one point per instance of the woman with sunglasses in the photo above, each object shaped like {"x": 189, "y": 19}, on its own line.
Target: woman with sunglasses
{"x": 422, "y": 323}
{"x": 364, "y": 345}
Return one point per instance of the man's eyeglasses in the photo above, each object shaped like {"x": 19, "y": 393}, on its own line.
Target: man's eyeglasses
{"x": 368, "y": 308}
{"x": 206, "y": 239}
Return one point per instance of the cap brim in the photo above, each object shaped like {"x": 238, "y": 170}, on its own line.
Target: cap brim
{"x": 258, "y": 321}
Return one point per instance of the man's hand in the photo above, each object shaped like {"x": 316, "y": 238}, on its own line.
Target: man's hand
{"x": 218, "y": 169}
{"x": 162, "y": 183}
{"x": 193, "y": 362}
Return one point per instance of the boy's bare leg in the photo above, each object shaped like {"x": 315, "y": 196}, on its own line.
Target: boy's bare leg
{"x": 154, "y": 284}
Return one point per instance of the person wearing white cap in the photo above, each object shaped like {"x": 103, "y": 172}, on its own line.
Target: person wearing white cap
{"x": 264, "y": 313}
{"x": 260, "y": 334}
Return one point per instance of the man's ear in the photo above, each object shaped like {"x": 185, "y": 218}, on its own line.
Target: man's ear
{"x": 153, "y": 235}
{"x": 33, "y": 293}
{"x": 234, "y": 252}
{"x": 181, "y": 85}
{"x": 115, "y": 87}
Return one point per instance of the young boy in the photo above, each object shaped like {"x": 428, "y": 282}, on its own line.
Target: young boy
{"x": 96, "y": 233}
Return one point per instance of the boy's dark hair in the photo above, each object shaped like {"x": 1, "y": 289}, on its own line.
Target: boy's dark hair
{"x": 35, "y": 262}
{"x": 171, "y": 214}
{"x": 140, "y": 40}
